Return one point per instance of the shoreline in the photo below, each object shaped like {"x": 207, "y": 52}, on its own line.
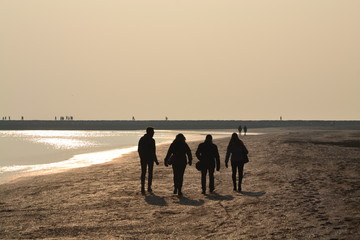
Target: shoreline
{"x": 79, "y": 160}
{"x": 298, "y": 184}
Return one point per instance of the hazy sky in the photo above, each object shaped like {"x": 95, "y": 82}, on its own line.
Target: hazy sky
{"x": 196, "y": 59}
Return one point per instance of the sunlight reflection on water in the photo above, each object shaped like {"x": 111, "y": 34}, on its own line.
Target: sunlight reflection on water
{"x": 51, "y": 151}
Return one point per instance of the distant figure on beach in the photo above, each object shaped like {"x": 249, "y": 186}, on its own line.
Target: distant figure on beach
{"x": 237, "y": 152}
{"x": 208, "y": 154}
{"x": 133, "y": 118}
{"x": 176, "y": 156}
{"x": 245, "y": 130}
{"x": 240, "y": 129}
{"x": 147, "y": 154}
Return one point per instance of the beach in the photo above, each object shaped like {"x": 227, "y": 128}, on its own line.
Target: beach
{"x": 299, "y": 184}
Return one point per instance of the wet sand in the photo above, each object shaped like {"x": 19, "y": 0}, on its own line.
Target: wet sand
{"x": 299, "y": 184}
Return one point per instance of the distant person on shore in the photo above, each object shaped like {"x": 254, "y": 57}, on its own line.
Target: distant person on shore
{"x": 176, "y": 156}
{"x": 245, "y": 130}
{"x": 240, "y": 129}
{"x": 208, "y": 154}
{"x": 147, "y": 154}
{"x": 237, "y": 152}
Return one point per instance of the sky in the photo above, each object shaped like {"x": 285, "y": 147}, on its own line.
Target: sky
{"x": 187, "y": 60}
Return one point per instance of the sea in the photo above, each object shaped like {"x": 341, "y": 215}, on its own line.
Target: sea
{"x": 37, "y": 152}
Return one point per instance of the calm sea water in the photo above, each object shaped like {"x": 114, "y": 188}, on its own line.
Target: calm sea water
{"x": 40, "y": 152}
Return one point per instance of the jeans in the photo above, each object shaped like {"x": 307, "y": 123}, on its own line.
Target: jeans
{"x": 211, "y": 178}
{"x": 144, "y": 165}
{"x": 237, "y": 167}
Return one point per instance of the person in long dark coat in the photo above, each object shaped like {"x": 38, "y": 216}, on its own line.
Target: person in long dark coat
{"x": 208, "y": 154}
{"x": 147, "y": 154}
{"x": 179, "y": 155}
{"x": 237, "y": 152}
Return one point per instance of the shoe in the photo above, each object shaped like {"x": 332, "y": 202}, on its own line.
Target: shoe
{"x": 203, "y": 192}
{"x": 212, "y": 190}
{"x": 175, "y": 190}
{"x": 142, "y": 191}
{"x": 234, "y": 189}
{"x": 239, "y": 190}
{"x": 180, "y": 193}
{"x": 149, "y": 190}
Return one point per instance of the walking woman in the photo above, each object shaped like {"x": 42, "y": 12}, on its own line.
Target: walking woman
{"x": 176, "y": 156}
{"x": 237, "y": 152}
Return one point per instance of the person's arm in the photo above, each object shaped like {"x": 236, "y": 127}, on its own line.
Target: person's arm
{"x": 198, "y": 152}
{"x": 228, "y": 153}
{"x": 169, "y": 152}
{"x": 140, "y": 149}
{"x": 189, "y": 155}
{"x": 154, "y": 153}
{"x": 217, "y": 159}
{"x": 245, "y": 149}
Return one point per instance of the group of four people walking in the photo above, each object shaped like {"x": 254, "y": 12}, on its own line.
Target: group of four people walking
{"x": 179, "y": 155}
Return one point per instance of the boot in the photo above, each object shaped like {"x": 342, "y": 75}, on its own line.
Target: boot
{"x": 142, "y": 188}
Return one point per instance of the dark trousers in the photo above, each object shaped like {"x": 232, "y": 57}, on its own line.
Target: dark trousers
{"x": 178, "y": 170}
{"x": 237, "y": 167}
{"x": 211, "y": 178}
{"x": 144, "y": 165}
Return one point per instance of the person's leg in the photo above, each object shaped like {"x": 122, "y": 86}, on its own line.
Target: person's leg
{"x": 203, "y": 180}
{"x": 175, "y": 179}
{"x": 241, "y": 174}
{"x": 234, "y": 168}
{"x": 211, "y": 179}
{"x": 181, "y": 177}
{"x": 143, "y": 174}
{"x": 151, "y": 167}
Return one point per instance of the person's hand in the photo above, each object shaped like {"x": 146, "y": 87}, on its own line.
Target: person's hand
{"x": 157, "y": 162}
{"x": 226, "y": 165}
{"x": 165, "y": 163}
{"x": 190, "y": 163}
{"x": 217, "y": 169}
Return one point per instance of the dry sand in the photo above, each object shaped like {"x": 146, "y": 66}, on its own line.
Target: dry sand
{"x": 298, "y": 185}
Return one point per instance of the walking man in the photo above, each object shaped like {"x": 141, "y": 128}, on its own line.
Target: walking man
{"x": 147, "y": 154}
{"x": 240, "y": 129}
{"x": 208, "y": 155}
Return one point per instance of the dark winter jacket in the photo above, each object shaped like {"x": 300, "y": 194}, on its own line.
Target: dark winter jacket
{"x": 208, "y": 155}
{"x": 147, "y": 149}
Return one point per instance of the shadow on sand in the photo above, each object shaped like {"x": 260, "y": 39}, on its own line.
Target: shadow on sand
{"x": 216, "y": 196}
{"x": 155, "y": 200}
{"x": 189, "y": 202}
{"x": 253, "y": 194}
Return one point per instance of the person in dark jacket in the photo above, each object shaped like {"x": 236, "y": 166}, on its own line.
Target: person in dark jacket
{"x": 208, "y": 154}
{"x": 147, "y": 154}
{"x": 245, "y": 130}
{"x": 176, "y": 156}
{"x": 237, "y": 152}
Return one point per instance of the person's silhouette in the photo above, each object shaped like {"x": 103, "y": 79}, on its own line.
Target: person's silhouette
{"x": 208, "y": 154}
{"x": 245, "y": 130}
{"x": 178, "y": 151}
{"x": 238, "y": 153}
{"x": 240, "y": 129}
{"x": 147, "y": 154}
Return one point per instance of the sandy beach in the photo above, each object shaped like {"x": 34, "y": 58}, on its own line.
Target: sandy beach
{"x": 299, "y": 184}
